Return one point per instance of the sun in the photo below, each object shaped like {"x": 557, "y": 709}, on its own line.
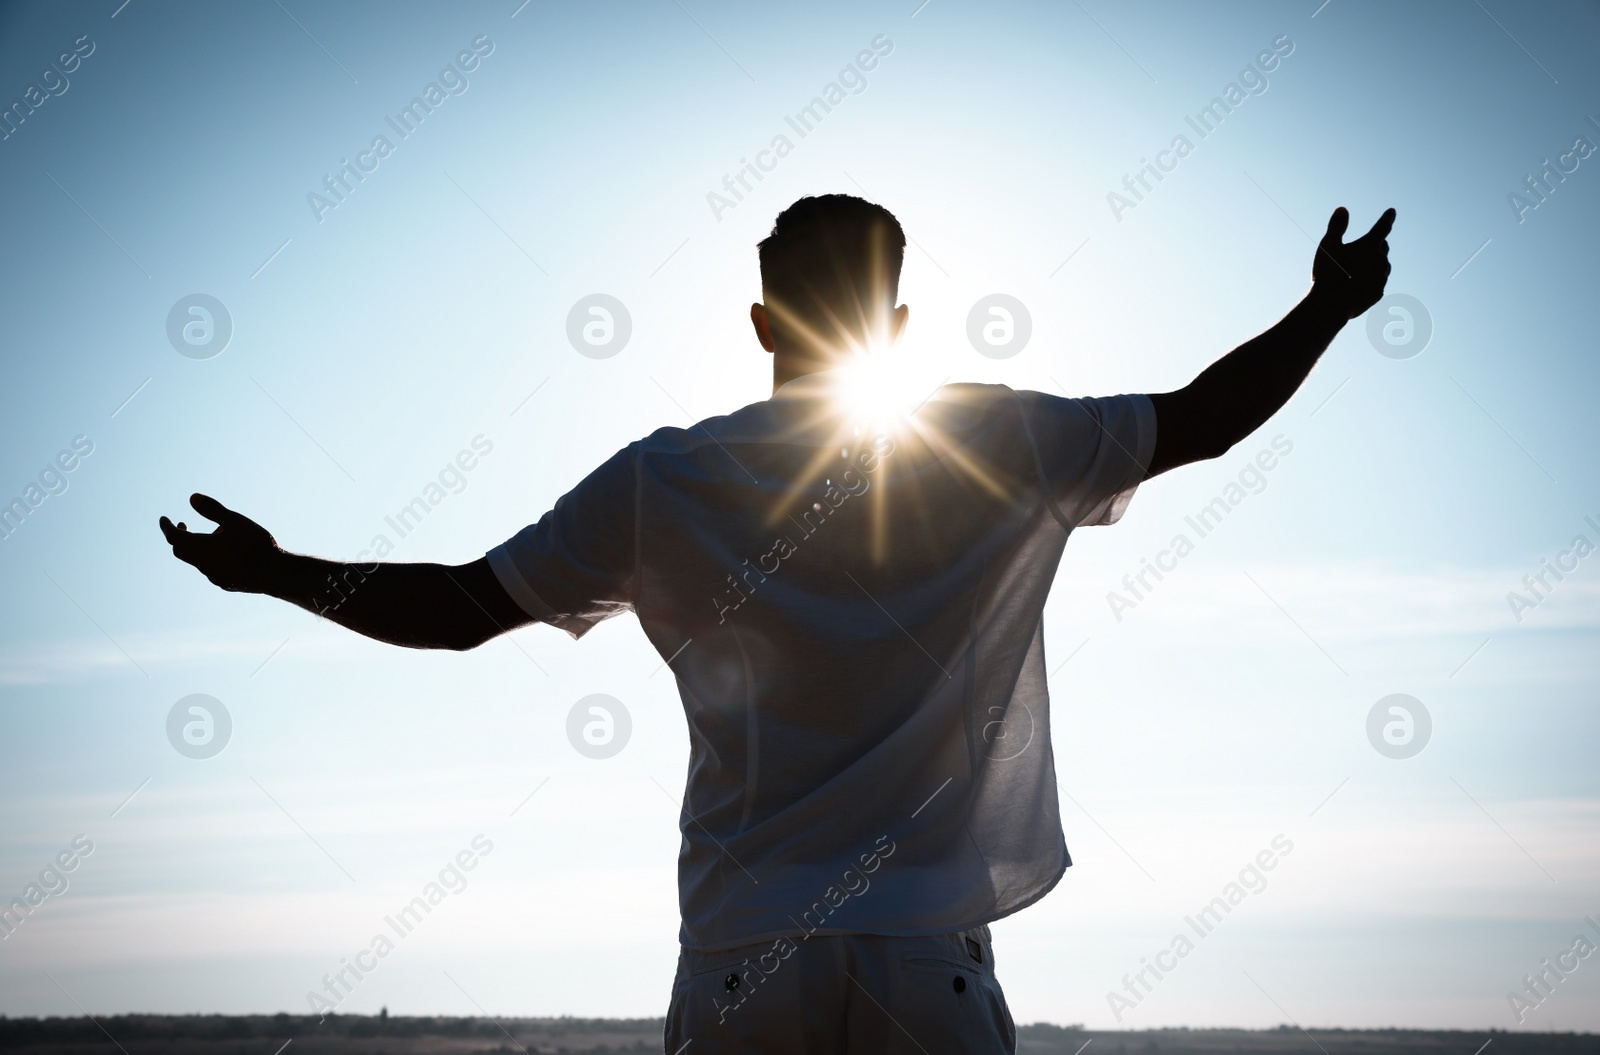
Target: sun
{"x": 875, "y": 387}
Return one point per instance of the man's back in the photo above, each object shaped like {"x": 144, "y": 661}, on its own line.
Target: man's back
{"x": 853, "y": 613}
{"x": 852, "y": 610}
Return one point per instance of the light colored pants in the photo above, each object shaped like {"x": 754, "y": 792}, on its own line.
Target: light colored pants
{"x": 842, "y": 995}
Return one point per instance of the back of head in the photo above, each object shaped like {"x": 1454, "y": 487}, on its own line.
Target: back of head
{"x": 830, "y": 272}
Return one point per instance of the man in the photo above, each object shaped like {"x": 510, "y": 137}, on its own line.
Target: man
{"x": 850, "y": 597}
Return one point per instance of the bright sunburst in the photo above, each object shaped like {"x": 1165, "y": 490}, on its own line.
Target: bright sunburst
{"x": 875, "y": 388}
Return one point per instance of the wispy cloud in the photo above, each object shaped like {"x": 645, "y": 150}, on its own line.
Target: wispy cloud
{"x": 1355, "y": 602}
{"x": 82, "y": 658}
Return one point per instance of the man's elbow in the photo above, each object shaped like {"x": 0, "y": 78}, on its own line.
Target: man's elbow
{"x": 1196, "y": 447}
{"x": 1194, "y": 425}
{"x": 1214, "y": 447}
{"x": 467, "y": 641}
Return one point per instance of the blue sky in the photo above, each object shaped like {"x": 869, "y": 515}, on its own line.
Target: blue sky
{"x": 373, "y": 343}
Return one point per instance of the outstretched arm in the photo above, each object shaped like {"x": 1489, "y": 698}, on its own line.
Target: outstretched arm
{"x": 1233, "y": 396}
{"x": 415, "y": 605}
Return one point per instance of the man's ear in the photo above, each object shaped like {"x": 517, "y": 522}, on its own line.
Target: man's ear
{"x": 763, "y": 325}
{"x": 897, "y": 323}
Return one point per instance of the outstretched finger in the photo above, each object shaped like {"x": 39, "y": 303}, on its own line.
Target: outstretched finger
{"x": 179, "y": 537}
{"x": 212, "y": 509}
{"x": 1384, "y": 225}
{"x": 1338, "y": 223}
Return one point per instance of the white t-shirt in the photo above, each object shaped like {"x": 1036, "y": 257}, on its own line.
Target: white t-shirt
{"x": 855, "y": 617}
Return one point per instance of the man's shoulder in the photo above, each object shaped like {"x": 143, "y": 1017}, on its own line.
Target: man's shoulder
{"x": 765, "y": 421}
{"x": 670, "y": 439}
{"x": 974, "y": 393}
{"x": 1004, "y": 398}
{"x": 965, "y": 404}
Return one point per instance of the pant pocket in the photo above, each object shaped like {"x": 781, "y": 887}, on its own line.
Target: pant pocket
{"x": 949, "y": 1005}
{"x": 743, "y": 1000}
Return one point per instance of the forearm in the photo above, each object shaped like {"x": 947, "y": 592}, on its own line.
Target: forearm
{"x": 1259, "y": 376}
{"x": 413, "y": 605}
{"x": 1235, "y": 395}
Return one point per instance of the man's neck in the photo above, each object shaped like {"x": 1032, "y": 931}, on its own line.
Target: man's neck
{"x": 787, "y": 368}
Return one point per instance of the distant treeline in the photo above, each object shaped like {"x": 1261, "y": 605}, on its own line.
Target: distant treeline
{"x": 16, "y": 1032}
{"x": 410, "y": 1035}
{"x": 1042, "y": 1038}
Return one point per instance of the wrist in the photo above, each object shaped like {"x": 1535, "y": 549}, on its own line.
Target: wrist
{"x": 1325, "y": 305}
{"x": 283, "y": 575}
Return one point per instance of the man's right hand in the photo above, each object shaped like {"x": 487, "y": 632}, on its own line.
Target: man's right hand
{"x": 240, "y": 555}
{"x": 1234, "y": 395}
{"x": 1348, "y": 277}
{"x": 415, "y": 605}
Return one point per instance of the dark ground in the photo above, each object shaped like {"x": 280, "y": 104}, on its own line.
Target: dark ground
{"x": 367, "y": 1035}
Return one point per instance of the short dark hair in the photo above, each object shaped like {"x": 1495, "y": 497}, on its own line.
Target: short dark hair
{"x": 832, "y": 264}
